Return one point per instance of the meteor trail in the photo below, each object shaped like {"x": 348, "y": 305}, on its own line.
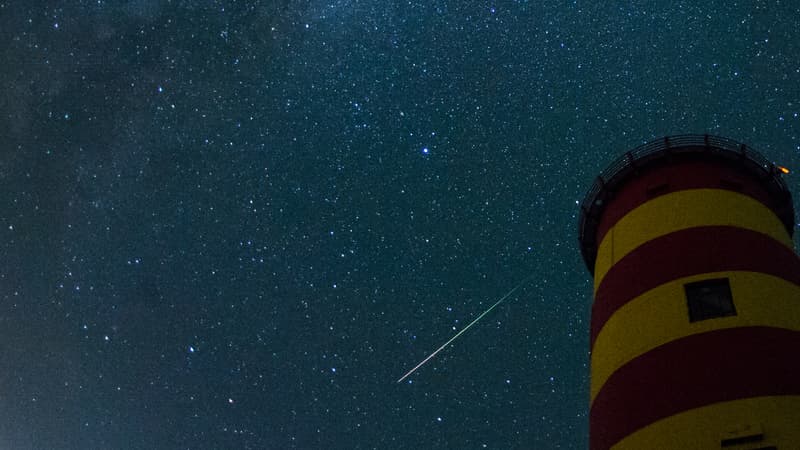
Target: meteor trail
{"x": 465, "y": 328}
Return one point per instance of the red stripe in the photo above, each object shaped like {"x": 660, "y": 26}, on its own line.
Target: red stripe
{"x": 677, "y": 177}
{"x": 695, "y": 371}
{"x": 689, "y": 252}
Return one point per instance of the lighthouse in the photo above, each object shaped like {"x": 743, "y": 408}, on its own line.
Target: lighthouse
{"x": 695, "y": 328}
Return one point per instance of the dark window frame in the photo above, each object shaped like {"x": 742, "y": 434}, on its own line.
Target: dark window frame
{"x": 709, "y": 299}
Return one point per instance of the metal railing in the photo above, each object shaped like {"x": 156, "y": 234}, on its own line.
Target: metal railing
{"x": 678, "y": 144}
{"x": 721, "y": 147}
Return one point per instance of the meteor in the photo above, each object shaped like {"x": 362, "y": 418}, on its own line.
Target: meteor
{"x": 465, "y": 328}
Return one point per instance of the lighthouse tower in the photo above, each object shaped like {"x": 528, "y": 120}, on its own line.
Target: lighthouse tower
{"x": 695, "y": 330}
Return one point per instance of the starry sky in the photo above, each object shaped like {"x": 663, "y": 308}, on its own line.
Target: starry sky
{"x": 235, "y": 224}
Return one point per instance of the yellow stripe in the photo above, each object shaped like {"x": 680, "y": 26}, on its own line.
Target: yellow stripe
{"x": 704, "y": 428}
{"x": 661, "y": 315}
{"x": 680, "y": 210}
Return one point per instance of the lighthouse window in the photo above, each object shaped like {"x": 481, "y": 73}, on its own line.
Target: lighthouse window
{"x": 709, "y": 299}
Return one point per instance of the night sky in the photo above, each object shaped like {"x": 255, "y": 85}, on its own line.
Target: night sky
{"x": 235, "y": 224}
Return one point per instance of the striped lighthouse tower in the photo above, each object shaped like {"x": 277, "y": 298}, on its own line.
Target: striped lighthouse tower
{"x": 695, "y": 330}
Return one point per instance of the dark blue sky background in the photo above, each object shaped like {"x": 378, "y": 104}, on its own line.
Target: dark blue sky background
{"x": 230, "y": 224}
